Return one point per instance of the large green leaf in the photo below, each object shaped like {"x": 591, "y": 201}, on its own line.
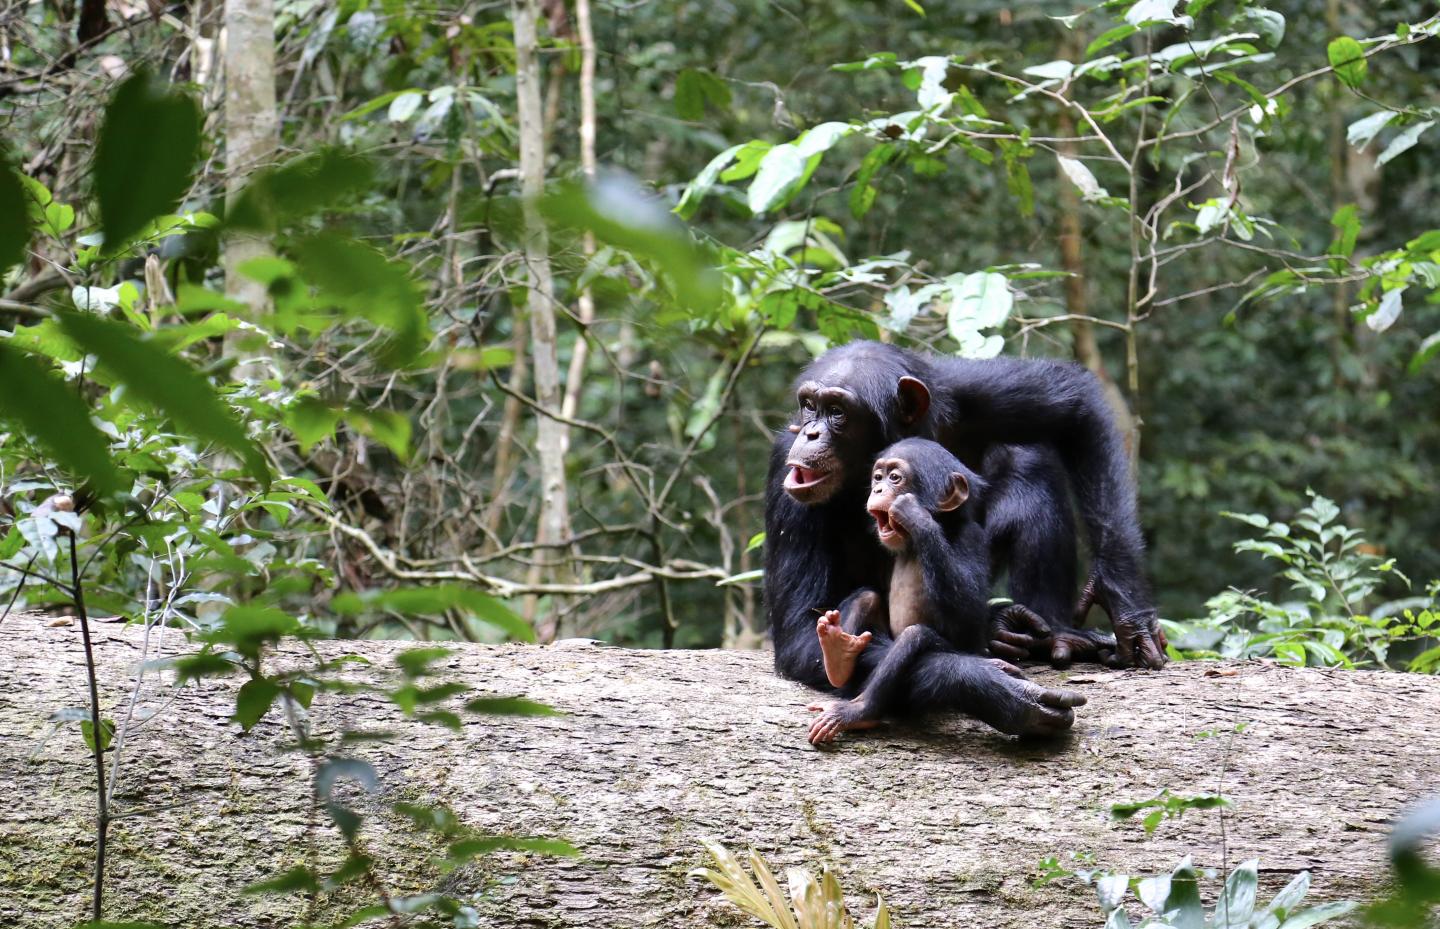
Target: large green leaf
{"x": 52, "y": 411}
{"x": 438, "y": 599}
{"x": 623, "y": 215}
{"x": 1347, "y": 57}
{"x": 362, "y": 281}
{"x": 14, "y": 218}
{"x": 144, "y": 157}
{"x": 299, "y": 187}
{"x": 169, "y": 384}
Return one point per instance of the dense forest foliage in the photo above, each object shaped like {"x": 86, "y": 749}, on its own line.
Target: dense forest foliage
{"x": 1221, "y": 208}
{"x": 477, "y": 321}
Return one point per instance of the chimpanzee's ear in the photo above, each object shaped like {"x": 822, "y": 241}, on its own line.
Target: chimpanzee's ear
{"x": 958, "y": 493}
{"x": 914, "y": 399}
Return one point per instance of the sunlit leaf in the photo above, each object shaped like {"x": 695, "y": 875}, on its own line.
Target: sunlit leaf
{"x": 1347, "y": 57}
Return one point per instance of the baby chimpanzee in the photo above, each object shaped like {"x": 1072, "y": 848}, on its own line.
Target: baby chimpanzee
{"x": 929, "y": 513}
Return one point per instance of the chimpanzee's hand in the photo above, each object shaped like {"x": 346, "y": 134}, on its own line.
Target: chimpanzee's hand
{"x": 1068, "y": 645}
{"x": 1017, "y": 632}
{"x": 1139, "y": 640}
{"x": 907, "y": 513}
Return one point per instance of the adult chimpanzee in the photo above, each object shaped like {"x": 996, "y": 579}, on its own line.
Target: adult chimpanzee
{"x": 929, "y": 513}
{"x": 859, "y": 398}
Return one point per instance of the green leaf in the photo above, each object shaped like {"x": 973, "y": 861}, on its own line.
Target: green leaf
{"x": 312, "y": 422}
{"x": 282, "y": 194}
{"x": 694, "y": 88}
{"x": 12, "y": 543}
{"x": 912, "y": 4}
{"x": 778, "y": 177}
{"x": 1347, "y": 228}
{"x": 144, "y": 156}
{"x": 1237, "y": 902}
{"x": 510, "y": 706}
{"x": 363, "y": 282}
{"x": 254, "y": 700}
{"x": 1428, "y": 349}
{"x": 14, "y": 218}
{"x": 107, "y": 733}
{"x": 697, "y": 189}
{"x": 166, "y": 383}
{"x": 1347, "y": 57}
{"x": 415, "y": 662}
{"x": 249, "y": 628}
{"x": 202, "y": 664}
{"x": 622, "y": 214}
{"x": 464, "y": 850}
{"x": 437, "y": 599}
{"x": 297, "y": 879}
{"x": 52, "y": 411}
{"x": 387, "y": 427}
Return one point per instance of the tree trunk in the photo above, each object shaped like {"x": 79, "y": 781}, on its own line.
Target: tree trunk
{"x": 947, "y": 819}
{"x": 251, "y": 135}
{"x": 554, "y": 520}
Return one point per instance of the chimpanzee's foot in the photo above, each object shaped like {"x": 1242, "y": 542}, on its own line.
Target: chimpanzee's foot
{"x": 1021, "y": 707}
{"x": 839, "y": 717}
{"x": 839, "y": 648}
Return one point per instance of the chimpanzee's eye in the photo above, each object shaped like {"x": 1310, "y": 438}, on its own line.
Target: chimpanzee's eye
{"x": 877, "y": 475}
{"x": 807, "y": 404}
{"x": 894, "y": 477}
{"x": 835, "y": 413}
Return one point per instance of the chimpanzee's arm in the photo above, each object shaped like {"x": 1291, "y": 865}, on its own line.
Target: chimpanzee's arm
{"x": 1017, "y": 400}
{"x": 810, "y": 567}
{"x": 798, "y": 577}
{"x": 955, "y": 575}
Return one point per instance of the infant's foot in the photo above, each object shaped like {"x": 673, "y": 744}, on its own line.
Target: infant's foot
{"x": 840, "y": 649}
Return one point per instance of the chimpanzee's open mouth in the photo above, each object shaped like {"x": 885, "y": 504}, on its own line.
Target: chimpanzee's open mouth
{"x": 803, "y": 478}
{"x": 885, "y": 526}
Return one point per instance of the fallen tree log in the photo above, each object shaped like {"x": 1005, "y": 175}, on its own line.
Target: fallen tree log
{"x": 948, "y": 820}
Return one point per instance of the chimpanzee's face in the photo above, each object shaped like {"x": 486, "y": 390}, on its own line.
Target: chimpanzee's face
{"x": 891, "y": 478}
{"x": 832, "y": 428}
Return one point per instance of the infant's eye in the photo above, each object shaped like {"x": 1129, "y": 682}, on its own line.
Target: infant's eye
{"x": 807, "y": 404}
{"x": 834, "y": 412}
{"x": 876, "y": 476}
{"x": 894, "y": 477}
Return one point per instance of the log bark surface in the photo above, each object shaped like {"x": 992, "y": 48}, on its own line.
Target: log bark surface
{"x": 946, "y": 819}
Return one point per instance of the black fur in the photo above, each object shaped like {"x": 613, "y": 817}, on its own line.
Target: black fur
{"x": 817, "y": 555}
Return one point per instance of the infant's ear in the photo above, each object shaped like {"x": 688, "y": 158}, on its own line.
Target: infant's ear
{"x": 958, "y": 493}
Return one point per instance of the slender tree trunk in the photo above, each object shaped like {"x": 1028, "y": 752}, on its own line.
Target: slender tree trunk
{"x": 575, "y": 378}
{"x": 251, "y": 134}
{"x": 554, "y": 520}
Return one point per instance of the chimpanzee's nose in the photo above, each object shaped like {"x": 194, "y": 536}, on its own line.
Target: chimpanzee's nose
{"x": 812, "y": 433}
